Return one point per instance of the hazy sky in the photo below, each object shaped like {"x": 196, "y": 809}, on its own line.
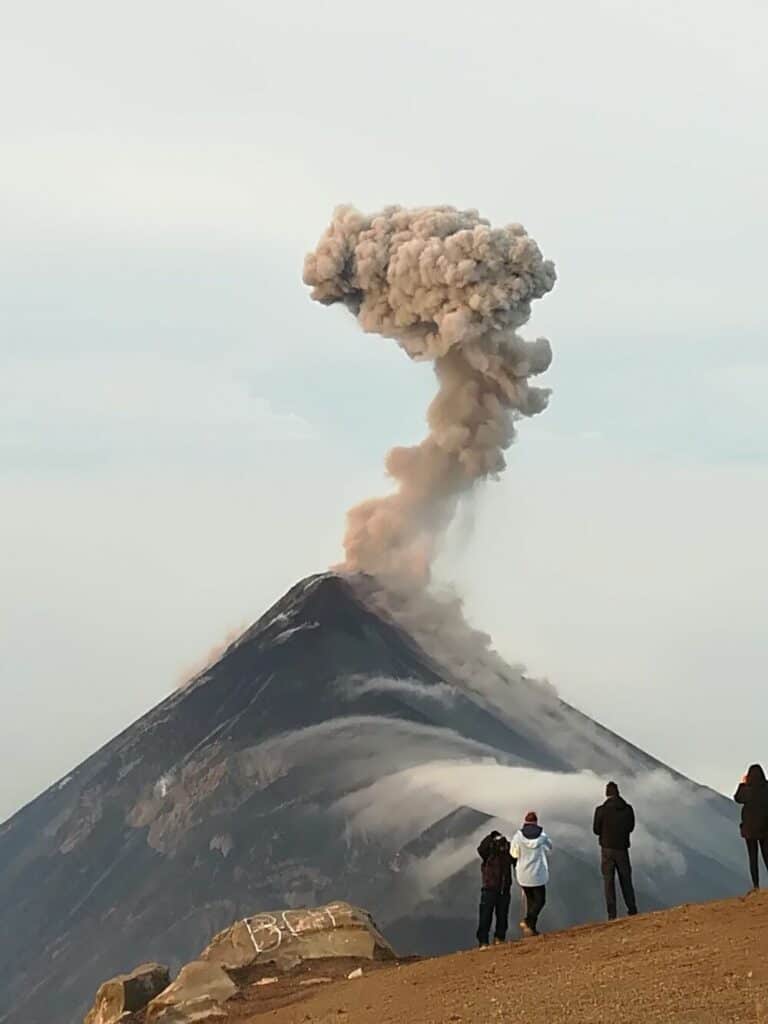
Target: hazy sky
{"x": 181, "y": 429}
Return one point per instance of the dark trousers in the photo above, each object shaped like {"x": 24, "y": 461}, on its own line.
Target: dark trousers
{"x": 535, "y": 898}
{"x": 492, "y": 901}
{"x": 752, "y": 845}
{"x": 613, "y": 862}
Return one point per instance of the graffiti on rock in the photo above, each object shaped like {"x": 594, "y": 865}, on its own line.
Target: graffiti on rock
{"x": 267, "y": 931}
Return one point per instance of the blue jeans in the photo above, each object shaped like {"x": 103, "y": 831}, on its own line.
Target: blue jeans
{"x": 493, "y": 901}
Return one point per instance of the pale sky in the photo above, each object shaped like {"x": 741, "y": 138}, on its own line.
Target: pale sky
{"x": 181, "y": 428}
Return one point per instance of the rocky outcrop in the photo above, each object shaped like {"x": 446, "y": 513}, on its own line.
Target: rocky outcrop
{"x": 286, "y": 937}
{"x": 127, "y": 993}
{"x": 198, "y": 994}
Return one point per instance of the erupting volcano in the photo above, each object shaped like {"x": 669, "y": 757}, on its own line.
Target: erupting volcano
{"x": 358, "y": 740}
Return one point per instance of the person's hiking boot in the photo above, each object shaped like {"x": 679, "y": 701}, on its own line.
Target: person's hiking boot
{"x": 497, "y": 941}
{"x": 526, "y": 929}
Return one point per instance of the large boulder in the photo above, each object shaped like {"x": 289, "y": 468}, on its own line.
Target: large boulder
{"x": 197, "y": 994}
{"x": 127, "y": 993}
{"x": 286, "y": 937}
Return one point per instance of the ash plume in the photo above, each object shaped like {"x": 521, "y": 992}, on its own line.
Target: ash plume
{"x": 448, "y": 288}
{"x": 212, "y": 655}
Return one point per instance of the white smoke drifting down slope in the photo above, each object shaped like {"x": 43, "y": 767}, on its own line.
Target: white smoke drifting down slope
{"x": 451, "y": 289}
{"x": 396, "y": 808}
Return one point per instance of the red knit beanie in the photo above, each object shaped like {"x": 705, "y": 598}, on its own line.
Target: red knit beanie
{"x": 531, "y": 818}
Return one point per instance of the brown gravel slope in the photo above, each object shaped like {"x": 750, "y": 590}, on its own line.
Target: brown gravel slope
{"x": 697, "y": 963}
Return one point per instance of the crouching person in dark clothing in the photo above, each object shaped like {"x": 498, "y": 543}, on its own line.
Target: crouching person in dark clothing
{"x": 496, "y": 871}
{"x": 613, "y": 822}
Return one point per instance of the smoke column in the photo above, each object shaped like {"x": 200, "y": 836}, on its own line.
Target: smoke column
{"x": 451, "y": 289}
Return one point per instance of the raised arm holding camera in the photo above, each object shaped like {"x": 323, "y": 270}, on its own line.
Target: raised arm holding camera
{"x": 496, "y": 872}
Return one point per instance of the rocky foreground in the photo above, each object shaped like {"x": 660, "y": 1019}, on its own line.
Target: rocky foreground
{"x": 297, "y": 947}
{"x": 696, "y": 964}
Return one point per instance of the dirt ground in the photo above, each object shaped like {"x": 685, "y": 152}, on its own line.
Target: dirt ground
{"x": 255, "y": 1000}
{"x": 694, "y": 964}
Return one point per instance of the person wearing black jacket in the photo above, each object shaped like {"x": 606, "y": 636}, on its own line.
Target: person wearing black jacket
{"x": 496, "y": 873}
{"x": 613, "y": 822}
{"x": 752, "y": 794}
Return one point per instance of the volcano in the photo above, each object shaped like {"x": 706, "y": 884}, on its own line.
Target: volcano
{"x": 326, "y": 756}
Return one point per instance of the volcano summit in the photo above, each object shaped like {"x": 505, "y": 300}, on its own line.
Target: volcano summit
{"x": 328, "y": 754}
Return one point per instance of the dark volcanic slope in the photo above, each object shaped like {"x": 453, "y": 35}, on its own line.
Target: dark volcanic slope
{"x": 323, "y": 757}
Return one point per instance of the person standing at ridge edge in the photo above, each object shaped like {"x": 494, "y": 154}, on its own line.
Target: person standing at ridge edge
{"x": 496, "y": 872}
{"x": 613, "y": 822}
{"x": 529, "y": 848}
{"x": 752, "y": 794}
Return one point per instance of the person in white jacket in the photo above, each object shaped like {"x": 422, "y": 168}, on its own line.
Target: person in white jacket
{"x": 529, "y": 849}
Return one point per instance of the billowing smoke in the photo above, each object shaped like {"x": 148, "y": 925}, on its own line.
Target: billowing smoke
{"x": 194, "y": 670}
{"x": 451, "y": 289}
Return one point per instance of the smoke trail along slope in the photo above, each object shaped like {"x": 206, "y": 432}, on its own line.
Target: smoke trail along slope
{"x": 451, "y": 289}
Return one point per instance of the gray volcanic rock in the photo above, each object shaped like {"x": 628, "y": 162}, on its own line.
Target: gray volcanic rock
{"x": 286, "y": 937}
{"x": 324, "y": 757}
{"x": 197, "y": 994}
{"x": 127, "y": 993}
